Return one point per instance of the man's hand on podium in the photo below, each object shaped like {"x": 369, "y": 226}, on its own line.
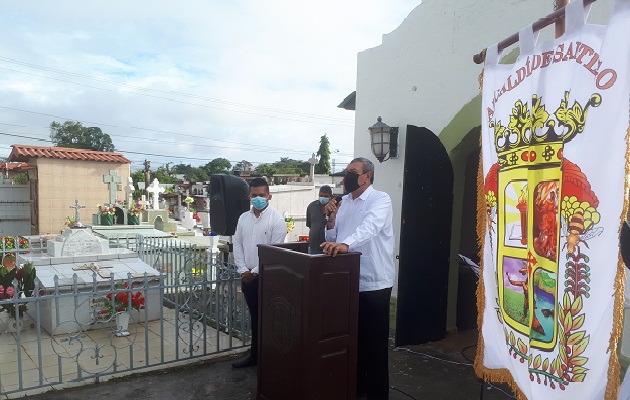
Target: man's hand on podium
{"x": 332, "y": 248}
{"x": 248, "y": 276}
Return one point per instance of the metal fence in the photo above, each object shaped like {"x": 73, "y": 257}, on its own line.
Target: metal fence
{"x": 73, "y": 331}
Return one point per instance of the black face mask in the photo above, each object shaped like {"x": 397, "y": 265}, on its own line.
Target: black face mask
{"x": 351, "y": 181}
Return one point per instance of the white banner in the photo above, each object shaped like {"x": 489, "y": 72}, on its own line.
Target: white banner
{"x": 554, "y": 164}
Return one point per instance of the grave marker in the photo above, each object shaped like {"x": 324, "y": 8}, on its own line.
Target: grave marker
{"x": 112, "y": 179}
{"x": 77, "y": 214}
{"x": 155, "y": 191}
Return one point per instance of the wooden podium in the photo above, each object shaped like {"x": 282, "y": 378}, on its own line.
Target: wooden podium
{"x": 308, "y": 311}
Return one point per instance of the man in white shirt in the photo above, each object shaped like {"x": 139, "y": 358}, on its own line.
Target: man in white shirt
{"x": 260, "y": 225}
{"x": 363, "y": 223}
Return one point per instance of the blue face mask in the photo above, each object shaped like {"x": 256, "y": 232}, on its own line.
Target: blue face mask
{"x": 324, "y": 200}
{"x": 259, "y": 203}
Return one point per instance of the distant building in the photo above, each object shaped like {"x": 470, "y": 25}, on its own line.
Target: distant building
{"x": 58, "y": 176}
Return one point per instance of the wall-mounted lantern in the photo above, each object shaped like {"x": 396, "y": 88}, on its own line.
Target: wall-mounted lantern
{"x": 384, "y": 140}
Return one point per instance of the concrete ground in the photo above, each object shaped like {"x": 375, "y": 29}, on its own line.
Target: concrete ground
{"x": 440, "y": 370}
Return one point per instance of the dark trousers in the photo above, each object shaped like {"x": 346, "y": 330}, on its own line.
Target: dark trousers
{"x": 372, "y": 363}
{"x": 250, "y": 291}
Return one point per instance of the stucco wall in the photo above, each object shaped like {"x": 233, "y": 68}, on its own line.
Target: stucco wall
{"x": 423, "y": 74}
{"x": 61, "y": 182}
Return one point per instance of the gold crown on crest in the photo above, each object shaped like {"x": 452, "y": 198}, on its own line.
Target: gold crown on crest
{"x": 536, "y": 127}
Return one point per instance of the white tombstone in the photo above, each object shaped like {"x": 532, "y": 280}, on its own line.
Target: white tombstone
{"x": 155, "y": 191}
{"x": 129, "y": 189}
{"x": 143, "y": 200}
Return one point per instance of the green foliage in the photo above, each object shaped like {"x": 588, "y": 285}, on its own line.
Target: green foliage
{"x": 266, "y": 169}
{"x": 21, "y": 178}
{"x": 137, "y": 176}
{"x": 242, "y": 166}
{"x": 218, "y": 166}
{"x": 25, "y": 276}
{"x": 323, "y": 166}
{"x": 75, "y": 135}
{"x": 164, "y": 174}
{"x": 193, "y": 174}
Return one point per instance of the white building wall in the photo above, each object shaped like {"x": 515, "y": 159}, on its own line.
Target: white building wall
{"x": 423, "y": 74}
{"x": 293, "y": 199}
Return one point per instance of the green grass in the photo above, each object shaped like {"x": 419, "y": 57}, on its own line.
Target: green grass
{"x": 513, "y": 305}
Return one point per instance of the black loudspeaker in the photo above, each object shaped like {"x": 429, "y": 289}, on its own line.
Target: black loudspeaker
{"x": 229, "y": 198}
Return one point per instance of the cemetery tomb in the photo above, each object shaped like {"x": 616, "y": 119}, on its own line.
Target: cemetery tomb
{"x": 79, "y": 251}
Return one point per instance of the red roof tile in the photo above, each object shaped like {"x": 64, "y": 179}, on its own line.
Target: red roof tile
{"x": 16, "y": 166}
{"x": 23, "y": 152}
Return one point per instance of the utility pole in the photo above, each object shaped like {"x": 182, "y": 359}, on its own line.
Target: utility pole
{"x": 147, "y": 176}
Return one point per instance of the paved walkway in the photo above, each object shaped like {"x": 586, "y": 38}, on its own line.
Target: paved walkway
{"x": 154, "y": 343}
{"x": 433, "y": 371}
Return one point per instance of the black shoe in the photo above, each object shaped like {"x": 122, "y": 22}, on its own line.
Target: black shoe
{"x": 249, "y": 361}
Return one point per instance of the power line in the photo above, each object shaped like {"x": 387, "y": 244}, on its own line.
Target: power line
{"x": 256, "y": 148}
{"x": 126, "y": 151}
{"x": 278, "y": 149}
{"x": 202, "y": 105}
{"x": 183, "y": 94}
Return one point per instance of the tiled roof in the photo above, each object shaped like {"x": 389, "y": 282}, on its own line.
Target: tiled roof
{"x": 23, "y": 152}
{"x": 16, "y": 166}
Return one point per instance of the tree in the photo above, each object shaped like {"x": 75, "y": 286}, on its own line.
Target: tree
{"x": 137, "y": 176}
{"x": 20, "y": 178}
{"x": 242, "y": 166}
{"x": 289, "y": 166}
{"x": 75, "y": 135}
{"x": 192, "y": 174}
{"x": 218, "y": 166}
{"x": 164, "y": 174}
{"x": 265, "y": 169}
{"x": 323, "y": 166}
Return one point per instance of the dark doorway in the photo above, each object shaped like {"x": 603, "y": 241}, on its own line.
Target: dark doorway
{"x": 120, "y": 216}
{"x": 467, "y": 279}
{"x": 425, "y": 239}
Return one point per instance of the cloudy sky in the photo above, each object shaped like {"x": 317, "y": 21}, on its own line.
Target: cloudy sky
{"x": 187, "y": 82}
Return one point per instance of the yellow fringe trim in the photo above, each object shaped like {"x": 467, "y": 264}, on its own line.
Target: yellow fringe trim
{"x": 503, "y": 374}
{"x": 614, "y": 378}
{"x": 487, "y": 374}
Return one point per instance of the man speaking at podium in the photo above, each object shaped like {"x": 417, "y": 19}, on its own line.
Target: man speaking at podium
{"x": 260, "y": 225}
{"x": 363, "y": 223}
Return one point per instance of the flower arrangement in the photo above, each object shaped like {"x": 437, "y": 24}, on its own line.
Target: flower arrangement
{"x": 137, "y": 208}
{"x": 103, "y": 209}
{"x": 290, "y": 222}
{"x": 69, "y": 222}
{"x": 122, "y": 301}
{"x": 8, "y": 243}
{"x": 25, "y": 276}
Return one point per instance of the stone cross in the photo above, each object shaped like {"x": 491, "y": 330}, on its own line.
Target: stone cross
{"x": 155, "y": 191}
{"x": 77, "y": 214}
{"x": 129, "y": 189}
{"x": 313, "y": 160}
{"x": 112, "y": 179}
{"x": 94, "y": 268}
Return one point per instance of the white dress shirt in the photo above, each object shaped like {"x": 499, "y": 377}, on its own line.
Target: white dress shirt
{"x": 365, "y": 225}
{"x": 268, "y": 228}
